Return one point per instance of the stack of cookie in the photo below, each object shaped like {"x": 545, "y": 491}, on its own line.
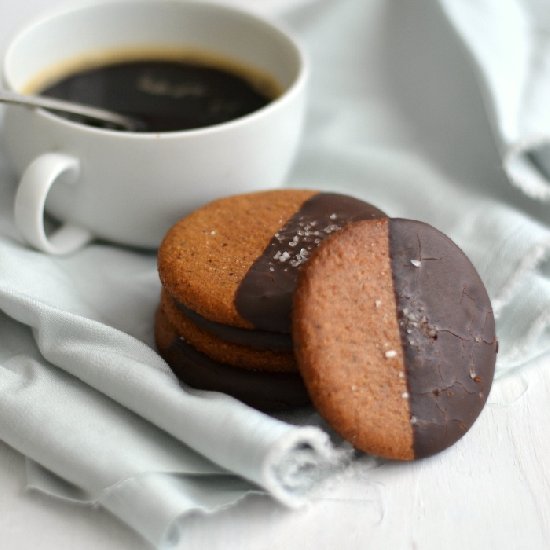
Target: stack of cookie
{"x": 228, "y": 272}
{"x": 289, "y": 297}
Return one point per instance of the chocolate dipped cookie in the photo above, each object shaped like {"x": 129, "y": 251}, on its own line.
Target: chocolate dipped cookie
{"x": 395, "y": 337}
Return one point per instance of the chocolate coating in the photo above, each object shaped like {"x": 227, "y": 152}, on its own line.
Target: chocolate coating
{"x": 257, "y": 339}
{"x": 447, "y": 332}
{"x": 264, "y": 296}
{"x": 236, "y": 355}
{"x": 263, "y": 391}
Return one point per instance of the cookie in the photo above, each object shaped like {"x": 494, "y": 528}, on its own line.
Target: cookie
{"x": 221, "y": 351}
{"x": 234, "y": 262}
{"x": 266, "y": 391}
{"x": 395, "y": 337}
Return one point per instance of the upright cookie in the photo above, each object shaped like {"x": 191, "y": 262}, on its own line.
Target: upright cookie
{"x": 395, "y": 337}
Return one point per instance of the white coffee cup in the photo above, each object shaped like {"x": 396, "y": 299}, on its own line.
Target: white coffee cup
{"x": 131, "y": 187}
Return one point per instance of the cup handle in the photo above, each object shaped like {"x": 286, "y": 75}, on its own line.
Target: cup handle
{"x": 30, "y": 198}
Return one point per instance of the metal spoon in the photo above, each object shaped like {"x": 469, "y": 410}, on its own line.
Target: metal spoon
{"x": 95, "y": 113}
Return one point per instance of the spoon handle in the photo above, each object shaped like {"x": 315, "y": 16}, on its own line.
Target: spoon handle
{"x": 62, "y": 106}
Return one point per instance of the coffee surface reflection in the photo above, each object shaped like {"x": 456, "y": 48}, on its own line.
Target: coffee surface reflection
{"x": 167, "y": 95}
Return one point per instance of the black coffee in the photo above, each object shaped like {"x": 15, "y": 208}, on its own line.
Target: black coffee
{"x": 167, "y": 95}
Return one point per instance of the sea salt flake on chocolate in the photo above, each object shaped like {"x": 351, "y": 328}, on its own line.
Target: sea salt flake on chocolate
{"x": 331, "y": 228}
{"x": 416, "y": 263}
{"x": 281, "y": 256}
{"x": 301, "y": 257}
{"x": 294, "y": 241}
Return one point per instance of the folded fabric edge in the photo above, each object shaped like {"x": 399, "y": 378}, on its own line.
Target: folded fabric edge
{"x": 509, "y": 302}
{"x": 528, "y": 350}
{"x": 531, "y": 260}
{"x": 300, "y": 462}
{"x": 42, "y": 480}
{"x": 503, "y": 97}
{"x": 524, "y": 167}
{"x": 175, "y": 528}
{"x": 158, "y": 522}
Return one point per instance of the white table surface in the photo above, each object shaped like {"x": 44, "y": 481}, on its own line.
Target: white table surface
{"x": 489, "y": 491}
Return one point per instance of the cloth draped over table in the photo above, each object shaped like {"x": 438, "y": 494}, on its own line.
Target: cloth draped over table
{"x": 420, "y": 120}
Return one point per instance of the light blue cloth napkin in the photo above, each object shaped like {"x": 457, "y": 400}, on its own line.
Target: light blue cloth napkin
{"x": 509, "y": 42}
{"x": 83, "y": 394}
{"x": 396, "y": 118}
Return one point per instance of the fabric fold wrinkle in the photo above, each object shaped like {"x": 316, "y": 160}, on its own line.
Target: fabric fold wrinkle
{"x": 124, "y": 416}
{"x": 508, "y": 43}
